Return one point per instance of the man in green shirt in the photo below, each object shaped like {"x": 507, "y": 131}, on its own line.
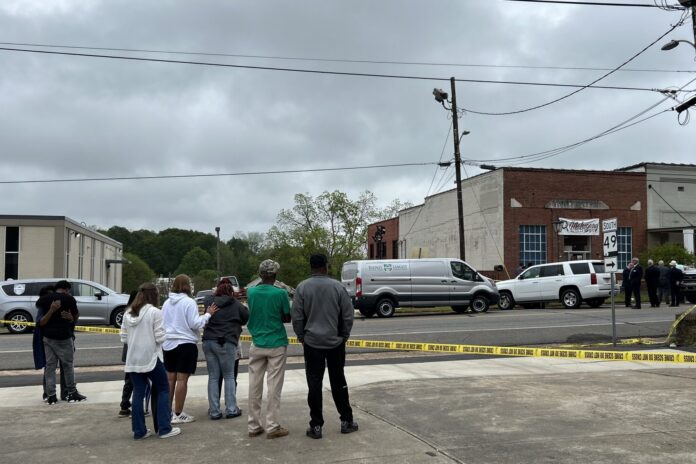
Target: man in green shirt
{"x": 268, "y": 307}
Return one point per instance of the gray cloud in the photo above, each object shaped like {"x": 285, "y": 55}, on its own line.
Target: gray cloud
{"x": 66, "y": 117}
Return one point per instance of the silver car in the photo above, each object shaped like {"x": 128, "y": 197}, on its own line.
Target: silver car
{"x": 97, "y": 304}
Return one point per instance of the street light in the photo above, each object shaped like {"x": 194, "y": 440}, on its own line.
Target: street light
{"x": 442, "y": 97}
{"x": 672, "y": 44}
{"x": 217, "y": 231}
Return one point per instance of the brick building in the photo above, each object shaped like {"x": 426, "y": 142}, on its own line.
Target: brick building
{"x": 511, "y": 216}
{"x": 386, "y": 246}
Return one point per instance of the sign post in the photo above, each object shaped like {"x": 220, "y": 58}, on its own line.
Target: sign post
{"x": 611, "y": 254}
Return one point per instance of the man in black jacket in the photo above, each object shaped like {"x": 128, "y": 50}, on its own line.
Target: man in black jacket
{"x": 626, "y": 284}
{"x": 635, "y": 276}
{"x": 652, "y": 281}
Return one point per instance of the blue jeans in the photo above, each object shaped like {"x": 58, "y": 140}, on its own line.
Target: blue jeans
{"x": 220, "y": 359}
{"x": 162, "y": 414}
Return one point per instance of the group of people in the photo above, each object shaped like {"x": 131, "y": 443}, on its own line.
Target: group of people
{"x": 162, "y": 350}
{"x": 663, "y": 283}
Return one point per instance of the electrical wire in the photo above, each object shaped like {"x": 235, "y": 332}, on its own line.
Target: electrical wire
{"x": 558, "y": 150}
{"x": 591, "y": 84}
{"x": 220, "y": 174}
{"x": 668, "y": 204}
{"x": 322, "y": 72}
{"x": 339, "y": 60}
{"x": 572, "y": 2}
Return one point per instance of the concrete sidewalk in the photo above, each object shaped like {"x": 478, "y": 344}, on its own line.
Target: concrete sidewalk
{"x": 508, "y": 410}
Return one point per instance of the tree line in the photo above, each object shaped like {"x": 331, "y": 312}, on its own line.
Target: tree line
{"x": 330, "y": 223}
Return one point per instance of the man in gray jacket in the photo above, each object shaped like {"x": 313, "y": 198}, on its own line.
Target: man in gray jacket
{"x": 322, "y": 318}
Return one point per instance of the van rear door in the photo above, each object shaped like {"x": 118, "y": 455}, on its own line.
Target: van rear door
{"x": 349, "y": 272}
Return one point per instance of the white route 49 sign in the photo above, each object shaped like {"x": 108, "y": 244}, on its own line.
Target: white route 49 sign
{"x": 611, "y": 244}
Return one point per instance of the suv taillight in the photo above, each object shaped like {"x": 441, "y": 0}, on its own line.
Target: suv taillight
{"x": 358, "y": 286}
{"x": 593, "y": 278}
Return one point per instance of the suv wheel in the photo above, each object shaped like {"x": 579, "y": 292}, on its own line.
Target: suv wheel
{"x": 479, "y": 304}
{"x": 385, "y": 308}
{"x": 570, "y": 298}
{"x": 117, "y": 317}
{"x": 17, "y": 318}
{"x": 506, "y": 301}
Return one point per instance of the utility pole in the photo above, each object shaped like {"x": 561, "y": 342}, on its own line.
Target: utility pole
{"x": 458, "y": 170}
{"x": 217, "y": 232}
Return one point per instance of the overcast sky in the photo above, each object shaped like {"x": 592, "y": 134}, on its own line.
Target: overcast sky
{"x": 74, "y": 117}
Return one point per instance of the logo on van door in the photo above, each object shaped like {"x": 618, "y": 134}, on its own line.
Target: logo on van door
{"x": 388, "y": 267}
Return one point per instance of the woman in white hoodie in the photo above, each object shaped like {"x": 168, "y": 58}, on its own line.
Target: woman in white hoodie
{"x": 142, "y": 329}
{"x": 182, "y": 324}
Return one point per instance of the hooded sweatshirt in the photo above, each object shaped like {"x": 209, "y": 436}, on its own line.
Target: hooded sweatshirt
{"x": 144, "y": 335}
{"x": 181, "y": 320}
{"x": 226, "y": 324}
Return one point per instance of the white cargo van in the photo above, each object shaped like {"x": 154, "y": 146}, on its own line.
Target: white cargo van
{"x": 381, "y": 286}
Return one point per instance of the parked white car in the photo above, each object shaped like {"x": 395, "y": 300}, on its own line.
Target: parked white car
{"x": 570, "y": 282}
{"x": 97, "y": 304}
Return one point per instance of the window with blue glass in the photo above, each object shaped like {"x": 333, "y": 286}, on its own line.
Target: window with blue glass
{"x": 532, "y": 245}
{"x": 624, "y": 237}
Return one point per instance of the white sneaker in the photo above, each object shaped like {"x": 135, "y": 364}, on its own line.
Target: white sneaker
{"x": 148, "y": 434}
{"x": 182, "y": 418}
{"x": 174, "y": 432}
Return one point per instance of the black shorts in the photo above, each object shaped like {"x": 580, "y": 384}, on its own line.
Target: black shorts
{"x": 182, "y": 359}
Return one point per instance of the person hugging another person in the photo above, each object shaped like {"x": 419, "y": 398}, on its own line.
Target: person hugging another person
{"x": 220, "y": 345}
{"x": 182, "y": 324}
{"x": 143, "y": 331}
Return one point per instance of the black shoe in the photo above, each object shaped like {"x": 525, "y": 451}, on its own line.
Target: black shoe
{"x": 234, "y": 414}
{"x": 64, "y": 396}
{"x": 124, "y": 413}
{"x": 45, "y": 397}
{"x": 75, "y": 397}
{"x": 52, "y": 399}
{"x": 314, "y": 432}
{"x": 349, "y": 427}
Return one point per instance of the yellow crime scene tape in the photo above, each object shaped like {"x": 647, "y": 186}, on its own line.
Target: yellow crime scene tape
{"x": 532, "y": 352}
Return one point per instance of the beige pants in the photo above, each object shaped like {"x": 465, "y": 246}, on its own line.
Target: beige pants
{"x": 271, "y": 362}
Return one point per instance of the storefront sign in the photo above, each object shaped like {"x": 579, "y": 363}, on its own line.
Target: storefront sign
{"x": 577, "y": 204}
{"x": 579, "y": 226}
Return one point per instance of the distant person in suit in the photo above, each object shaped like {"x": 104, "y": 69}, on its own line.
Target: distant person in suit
{"x": 635, "y": 277}
{"x": 652, "y": 281}
{"x": 626, "y": 284}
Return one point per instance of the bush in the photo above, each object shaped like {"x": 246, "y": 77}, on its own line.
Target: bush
{"x": 668, "y": 252}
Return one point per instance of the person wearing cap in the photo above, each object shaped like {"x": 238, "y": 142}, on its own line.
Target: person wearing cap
{"x": 269, "y": 306}
{"x": 675, "y": 279}
{"x": 58, "y": 330}
{"x": 322, "y": 318}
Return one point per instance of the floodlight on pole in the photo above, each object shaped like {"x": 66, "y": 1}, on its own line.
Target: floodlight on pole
{"x": 672, "y": 44}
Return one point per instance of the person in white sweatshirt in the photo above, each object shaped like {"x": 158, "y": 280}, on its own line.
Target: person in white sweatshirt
{"x": 182, "y": 324}
{"x": 143, "y": 330}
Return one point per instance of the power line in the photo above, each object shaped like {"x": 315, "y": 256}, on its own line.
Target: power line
{"x": 340, "y": 60}
{"x": 322, "y": 72}
{"x": 569, "y": 2}
{"x": 225, "y": 174}
{"x": 536, "y": 107}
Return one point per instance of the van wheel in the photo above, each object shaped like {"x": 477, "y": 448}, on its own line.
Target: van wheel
{"x": 17, "y": 318}
{"x": 367, "y": 312}
{"x": 117, "y": 317}
{"x": 479, "y": 304}
{"x": 570, "y": 298}
{"x": 385, "y": 308}
{"x": 506, "y": 301}
{"x": 460, "y": 308}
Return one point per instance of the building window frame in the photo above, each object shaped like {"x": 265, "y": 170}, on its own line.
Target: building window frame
{"x": 624, "y": 240}
{"x": 13, "y": 253}
{"x": 533, "y": 244}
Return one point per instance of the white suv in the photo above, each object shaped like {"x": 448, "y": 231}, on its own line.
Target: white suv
{"x": 571, "y": 282}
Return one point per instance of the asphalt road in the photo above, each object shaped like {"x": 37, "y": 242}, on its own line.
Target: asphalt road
{"x": 501, "y": 328}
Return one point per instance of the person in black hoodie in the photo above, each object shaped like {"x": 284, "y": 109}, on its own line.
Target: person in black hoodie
{"x": 220, "y": 342}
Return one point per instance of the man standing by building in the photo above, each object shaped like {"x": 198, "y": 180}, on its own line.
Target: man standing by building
{"x": 268, "y": 306}
{"x": 626, "y": 284}
{"x": 58, "y": 328}
{"x": 322, "y": 318}
{"x": 663, "y": 293}
{"x": 675, "y": 279}
{"x": 652, "y": 281}
{"x": 635, "y": 276}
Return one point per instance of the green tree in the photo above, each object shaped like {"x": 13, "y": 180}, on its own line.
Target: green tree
{"x": 204, "y": 280}
{"x": 668, "y": 252}
{"x": 135, "y": 273}
{"x": 193, "y": 262}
